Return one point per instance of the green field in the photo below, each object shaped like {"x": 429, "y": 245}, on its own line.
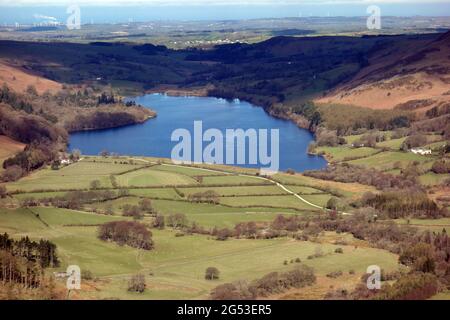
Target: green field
{"x": 343, "y": 153}
{"x": 435, "y": 225}
{"x": 192, "y": 172}
{"x": 165, "y": 193}
{"x": 153, "y": 177}
{"x": 242, "y": 197}
{"x": 393, "y": 144}
{"x": 287, "y": 201}
{"x": 75, "y": 176}
{"x": 233, "y": 191}
{"x": 385, "y": 160}
{"x": 177, "y": 264}
{"x": 233, "y": 180}
{"x": 432, "y": 179}
{"x": 175, "y": 268}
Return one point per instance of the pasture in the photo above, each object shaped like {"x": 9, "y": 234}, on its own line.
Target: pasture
{"x": 175, "y": 268}
{"x": 386, "y": 160}
{"x": 338, "y": 154}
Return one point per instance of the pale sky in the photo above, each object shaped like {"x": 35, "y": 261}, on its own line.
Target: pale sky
{"x": 208, "y": 2}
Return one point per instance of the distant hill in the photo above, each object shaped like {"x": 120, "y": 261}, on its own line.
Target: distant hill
{"x": 407, "y": 75}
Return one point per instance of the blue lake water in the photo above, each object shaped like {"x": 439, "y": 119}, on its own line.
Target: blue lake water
{"x": 153, "y": 138}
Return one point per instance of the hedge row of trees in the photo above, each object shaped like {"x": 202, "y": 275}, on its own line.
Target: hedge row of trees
{"x": 208, "y": 196}
{"x": 350, "y": 173}
{"x": 272, "y": 283}
{"x": 73, "y": 199}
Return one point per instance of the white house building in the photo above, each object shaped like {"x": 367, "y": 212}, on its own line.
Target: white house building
{"x": 421, "y": 151}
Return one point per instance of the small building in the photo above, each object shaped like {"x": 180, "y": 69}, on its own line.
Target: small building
{"x": 421, "y": 151}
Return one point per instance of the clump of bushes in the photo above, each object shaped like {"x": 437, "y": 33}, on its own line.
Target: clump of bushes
{"x": 133, "y": 234}
{"x": 350, "y": 173}
{"x": 208, "y": 196}
{"x": 441, "y": 167}
{"x": 177, "y": 220}
{"x": 132, "y": 211}
{"x": 3, "y": 192}
{"x": 271, "y": 283}
{"x": 334, "y": 274}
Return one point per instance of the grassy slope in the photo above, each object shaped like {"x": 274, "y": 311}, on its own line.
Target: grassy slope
{"x": 177, "y": 263}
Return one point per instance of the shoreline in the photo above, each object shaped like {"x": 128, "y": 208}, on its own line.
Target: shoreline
{"x": 173, "y": 91}
{"x": 113, "y": 127}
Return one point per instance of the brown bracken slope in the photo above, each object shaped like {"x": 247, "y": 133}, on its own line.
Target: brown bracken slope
{"x": 410, "y": 75}
{"x": 19, "y": 79}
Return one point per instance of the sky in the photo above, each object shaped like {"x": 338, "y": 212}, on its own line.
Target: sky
{"x": 118, "y": 11}
{"x": 209, "y": 2}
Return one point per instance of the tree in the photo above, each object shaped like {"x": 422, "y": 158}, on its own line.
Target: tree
{"x": 55, "y": 164}
{"x": 212, "y": 273}
{"x": 137, "y": 283}
{"x": 177, "y": 220}
{"x": 12, "y": 173}
{"x": 419, "y": 256}
{"x": 95, "y": 184}
{"x": 75, "y": 155}
{"x": 223, "y": 234}
{"x": 124, "y": 192}
{"x": 332, "y": 203}
{"x": 109, "y": 209}
{"x": 31, "y": 90}
{"x": 159, "y": 222}
{"x": 3, "y": 192}
{"x": 441, "y": 167}
{"x": 146, "y": 205}
{"x": 132, "y": 211}
{"x": 104, "y": 153}
{"x": 414, "y": 141}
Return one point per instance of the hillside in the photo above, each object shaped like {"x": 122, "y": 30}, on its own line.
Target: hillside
{"x": 8, "y": 148}
{"x": 410, "y": 75}
{"x": 19, "y": 79}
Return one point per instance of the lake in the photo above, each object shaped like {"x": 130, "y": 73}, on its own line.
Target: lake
{"x": 153, "y": 138}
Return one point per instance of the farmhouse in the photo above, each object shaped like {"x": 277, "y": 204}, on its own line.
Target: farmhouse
{"x": 421, "y": 151}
